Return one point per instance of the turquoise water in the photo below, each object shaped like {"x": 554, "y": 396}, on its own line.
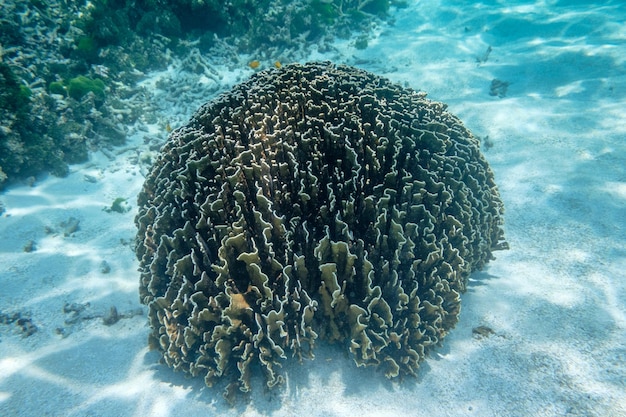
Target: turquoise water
{"x": 542, "y": 327}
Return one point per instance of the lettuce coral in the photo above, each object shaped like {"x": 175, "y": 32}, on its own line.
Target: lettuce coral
{"x": 312, "y": 202}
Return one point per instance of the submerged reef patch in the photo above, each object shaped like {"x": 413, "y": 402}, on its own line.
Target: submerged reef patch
{"x": 310, "y": 202}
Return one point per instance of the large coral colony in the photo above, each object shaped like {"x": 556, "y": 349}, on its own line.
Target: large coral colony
{"x": 310, "y": 202}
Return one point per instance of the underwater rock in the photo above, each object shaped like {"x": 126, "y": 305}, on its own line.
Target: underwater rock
{"x": 79, "y": 86}
{"x": 482, "y": 331}
{"x": 105, "y": 268}
{"x": 70, "y": 226}
{"x": 78, "y": 312}
{"x": 30, "y": 246}
{"x": 112, "y": 317}
{"x": 119, "y": 205}
{"x": 312, "y": 201}
{"x": 23, "y": 322}
{"x": 498, "y": 88}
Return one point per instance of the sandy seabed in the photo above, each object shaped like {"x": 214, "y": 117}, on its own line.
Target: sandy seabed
{"x": 556, "y": 301}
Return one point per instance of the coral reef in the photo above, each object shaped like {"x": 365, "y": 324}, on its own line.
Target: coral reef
{"x": 312, "y": 202}
{"x": 52, "y": 100}
{"x": 56, "y": 52}
{"x": 25, "y": 148}
{"x": 250, "y": 24}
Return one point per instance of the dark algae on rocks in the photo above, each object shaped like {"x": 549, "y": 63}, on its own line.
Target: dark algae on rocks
{"x": 312, "y": 202}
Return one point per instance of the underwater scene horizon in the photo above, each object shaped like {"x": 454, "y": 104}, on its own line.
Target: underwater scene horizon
{"x": 255, "y": 208}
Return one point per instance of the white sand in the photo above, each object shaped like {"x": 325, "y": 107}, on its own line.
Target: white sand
{"x": 556, "y": 300}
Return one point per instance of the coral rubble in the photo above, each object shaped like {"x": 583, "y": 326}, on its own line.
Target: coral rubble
{"x": 71, "y": 68}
